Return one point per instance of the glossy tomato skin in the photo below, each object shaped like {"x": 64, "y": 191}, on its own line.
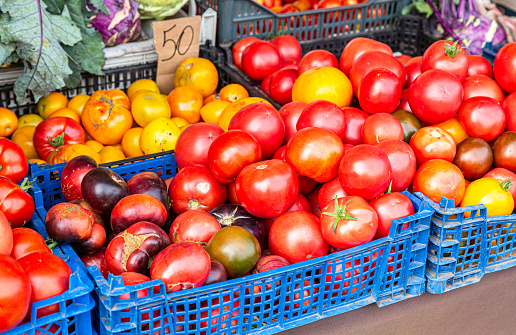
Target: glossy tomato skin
{"x": 436, "y": 57}
{"x": 97, "y": 259}
{"x": 135, "y": 208}
{"x": 317, "y": 58}
{"x": 356, "y": 47}
{"x": 490, "y": 193}
{"x": 149, "y": 183}
{"x": 315, "y": 153}
{"x": 365, "y": 171}
{"x": 355, "y": 119}
{"x": 267, "y": 189}
{"x": 509, "y": 107}
{"x": 102, "y": 188}
{"x": 193, "y": 144}
{"x": 329, "y": 191}
{"x": 239, "y": 48}
{"x": 504, "y": 67}
{"x": 301, "y": 204}
{"x": 438, "y": 178}
{"x": 306, "y": 185}
{"x": 403, "y": 163}
{"x": 324, "y": 115}
{"x": 6, "y": 236}
{"x": 413, "y": 68}
{"x": 409, "y": 123}
{"x": 433, "y": 143}
{"x": 16, "y": 204}
{"x": 404, "y": 104}
{"x": 193, "y": 226}
{"x": 49, "y": 276}
{"x": 94, "y": 243}
{"x": 288, "y": 47}
{"x": 389, "y": 207}
{"x": 503, "y": 151}
{"x": 73, "y": 174}
{"x": 381, "y": 127}
{"x": 14, "y": 301}
{"x": 379, "y": 92}
{"x": 266, "y": 84}
{"x": 217, "y": 273}
{"x": 313, "y": 199}
{"x": 264, "y": 123}
{"x": 194, "y": 187}
{"x": 181, "y": 266}
{"x": 502, "y": 175}
{"x": 479, "y": 65}
{"x": 348, "y": 232}
{"x": 260, "y": 59}
{"x": 50, "y": 131}
{"x": 297, "y": 236}
{"x": 290, "y": 114}
{"x": 282, "y": 82}
{"x": 67, "y": 222}
{"x": 12, "y": 161}
{"x": 474, "y": 157}
{"x": 482, "y": 86}
{"x": 482, "y": 117}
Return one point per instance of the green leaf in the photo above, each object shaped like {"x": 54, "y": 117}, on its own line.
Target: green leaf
{"x": 74, "y": 78}
{"x": 420, "y": 6}
{"x": 54, "y": 6}
{"x": 6, "y": 51}
{"x": 99, "y": 4}
{"x": 91, "y": 51}
{"x": 37, "y": 36}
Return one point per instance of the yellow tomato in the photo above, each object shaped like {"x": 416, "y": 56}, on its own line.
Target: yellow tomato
{"x": 111, "y": 154}
{"x": 37, "y": 161}
{"x": 8, "y": 122}
{"x": 233, "y": 92}
{"x": 142, "y": 84}
{"x": 199, "y": 74}
{"x": 29, "y": 120}
{"x": 131, "y": 142}
{"x": 490, "y": 193}
{"x": 211, "y": 112}
{"x": 118, "y": 146}
{"x": 66, "y": 112}
{"x": 158, "y": 136}
{"x": 23, "y": 137}
{"x": 179, "y": 121}
{"x": 213, "y": 97}
{"x": 455, "y": 128}
{"x": 185, "y": 102}
{"x": 49, "y": 104}
{"x": 78, "y": 102}
{"x": 323, "y": 83}
{"x": 97, "y": 146}
{"x": 233, "y": 108}
{"x": 147, "y": 106}
{"x": 67, "y": 152}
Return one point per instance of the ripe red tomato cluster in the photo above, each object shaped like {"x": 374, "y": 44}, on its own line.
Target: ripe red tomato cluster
{"x": 293, "y": 6}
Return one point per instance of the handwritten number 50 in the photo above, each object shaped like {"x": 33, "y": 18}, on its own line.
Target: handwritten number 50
{"x": 179, "y": 45}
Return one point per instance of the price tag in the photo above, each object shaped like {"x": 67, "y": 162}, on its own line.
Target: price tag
{"x": 175, "y": 40}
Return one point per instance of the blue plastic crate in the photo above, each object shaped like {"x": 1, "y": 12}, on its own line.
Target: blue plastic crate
{"x": 489, "y": 51}
{"x": 75, "y": 304}
{"x": 501, "y": 242}
{"x": 456, "y": 246}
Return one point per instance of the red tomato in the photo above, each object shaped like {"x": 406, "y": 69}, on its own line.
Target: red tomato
{"x": 433, "y": 143}
{"x": 6, "y": 236}
{"x": 49, "y": 276}
{"x": 27, "y": 241}
{"x": 482, "y": 117}
{"x": 290, "y": 64}
{"x": 55, "y": 132}
{"x": 288, "y": 47}
{"x": 403, "y": 163}
{"x": 356, "y": 48}
{"x": 404, "y": 104}
{"x": 435, "y": 96}
{"x": 195, "y": 188}
{"x": 444, "y": 55}
{"x": 301, "y": 204}
{"x": 504, "y": 67}
{"x": 381, "y": 127}
{"x": 482, "y": 86}
{"x": 439, "y": 178}
{"x": 413, "y": 68}
{"x": 97, "y": 259}
{"x": 324, "y": 115}
{"x": 16, "y": 291}
{"x": 134, "y": 278}
{"x": 13, "y": 163}
{"x": 17, "y": 205}
{"x": 260, "y": 59}
{"x": 403, "y": 58}
{"x": 509, "y": 106}
{"x": 329, "y": 191}
{"x": 372, "y": 60}
{"x": 389, "y": 207}
{"x": 230, "y": 153}
{"x": 348, "y": 222}
{"x": 232, "y": 197}
{"x": 296, "y": 236}
{"x": 355, "y": 119}
{"x": 317, "y": 58}
{"x": 502, "y": 175}
{"x": 194, "y": 226}
{"x": 265, "y": 86}
{"x": 282, "y": 82}
{"x": 365, "y": 171}
{"x": 267, "y": 189}
{"x": 193, "y": 144}
{"x": 239, "y": 48}
{"x": 379, "y": 92}
{"x": 290, "y": 114}
{"x": 313, "y": 199}
{"x": 479, "y": 65}
{"x": 264, "y": 123}
{"x": 315, "y": 153}
{"x": 306, "y": 185}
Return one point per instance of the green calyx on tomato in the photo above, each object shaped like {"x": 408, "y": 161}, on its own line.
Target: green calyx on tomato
{"x": 505, "y": 185}
{"x": 340, "y": 213}
{"x": 26, "y": 184}
{"x": 454, "y": 49}
{"x": 57, "y": 141}
{"x": 51, "y": 244}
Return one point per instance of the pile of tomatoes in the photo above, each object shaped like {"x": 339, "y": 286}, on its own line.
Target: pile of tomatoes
{"x": 293, "y": 6}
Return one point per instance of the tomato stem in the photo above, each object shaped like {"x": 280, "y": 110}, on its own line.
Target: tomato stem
{"x": 454, "y": 49}
{"x": 57, "y": 141}
{"x": 505, "y": 185}
{"x": 51, "y": 244}
{"x": 26, "y": 184}
{"x": 340, "y": 213}
{"x": 389, "y": 189}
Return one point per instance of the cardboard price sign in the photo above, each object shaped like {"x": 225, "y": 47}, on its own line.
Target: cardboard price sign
{"x": 175, "y": 40}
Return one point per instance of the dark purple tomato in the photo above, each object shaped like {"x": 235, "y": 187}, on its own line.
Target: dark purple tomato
{"x": 102, "y": 189}
{"x": 149, "y": 183}
{"x": 474, "y": 157}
